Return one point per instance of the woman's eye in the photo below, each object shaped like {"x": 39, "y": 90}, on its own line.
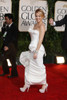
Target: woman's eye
{"x": 35, "y": 16}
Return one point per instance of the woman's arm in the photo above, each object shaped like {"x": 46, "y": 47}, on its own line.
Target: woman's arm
{"x": 41, "y": 36}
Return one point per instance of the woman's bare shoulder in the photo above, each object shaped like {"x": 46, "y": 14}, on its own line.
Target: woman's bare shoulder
{"x": 42, "y": 27}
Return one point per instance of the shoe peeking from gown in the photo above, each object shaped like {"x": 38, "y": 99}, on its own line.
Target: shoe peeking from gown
{"x": 23, "y": 89}
{"x": 44, "y": 89}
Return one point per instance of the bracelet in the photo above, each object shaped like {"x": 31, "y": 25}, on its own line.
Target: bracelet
{"x": 36, "y": 51}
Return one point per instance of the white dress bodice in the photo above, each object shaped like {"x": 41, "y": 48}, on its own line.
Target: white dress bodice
{"x": 34, "y": 39}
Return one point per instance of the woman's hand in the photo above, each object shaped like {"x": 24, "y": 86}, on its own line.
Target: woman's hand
{"x": 35, "y": 55}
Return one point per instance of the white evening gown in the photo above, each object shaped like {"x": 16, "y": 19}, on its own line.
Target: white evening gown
{"x": 35, "y": 71}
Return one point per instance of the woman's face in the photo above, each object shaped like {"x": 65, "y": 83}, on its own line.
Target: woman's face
{"x": 38, "y": 17}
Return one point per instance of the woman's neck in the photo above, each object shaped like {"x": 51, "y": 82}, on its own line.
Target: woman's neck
{"x": 39, "y": 23}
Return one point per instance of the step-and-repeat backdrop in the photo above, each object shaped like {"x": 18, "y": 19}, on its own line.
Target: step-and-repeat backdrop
{"x": 27, "y": 12}
{"x": 60, "y": 12}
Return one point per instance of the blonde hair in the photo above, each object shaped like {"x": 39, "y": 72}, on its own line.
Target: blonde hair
{"x": 41, "y": 12}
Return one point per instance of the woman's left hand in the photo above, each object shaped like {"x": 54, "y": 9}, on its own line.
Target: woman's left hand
{"x": 35, "y": 55}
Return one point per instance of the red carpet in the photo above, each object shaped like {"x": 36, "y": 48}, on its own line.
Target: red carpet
{"x": 57, "y": 90}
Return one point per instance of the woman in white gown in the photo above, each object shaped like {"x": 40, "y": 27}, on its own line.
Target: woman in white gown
{"x": 35, "y": 71}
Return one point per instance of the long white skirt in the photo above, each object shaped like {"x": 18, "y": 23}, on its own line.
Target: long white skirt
{"x": 35, "y": 71}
